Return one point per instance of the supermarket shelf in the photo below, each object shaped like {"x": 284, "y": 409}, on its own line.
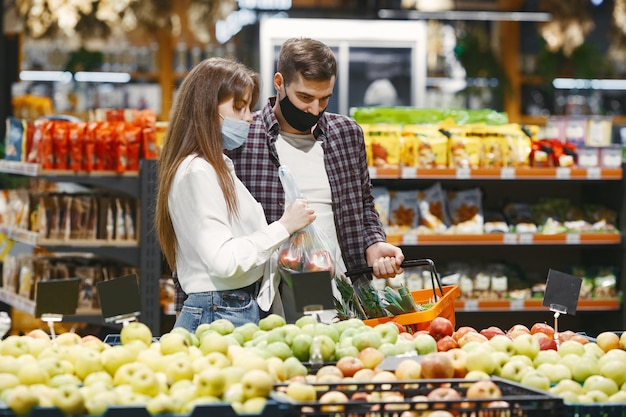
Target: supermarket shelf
{"x": 531, "y": 305}
{"x": 599, "y": 238}
{"x": 123, "y": 182}
{"x": 504, "y": 173}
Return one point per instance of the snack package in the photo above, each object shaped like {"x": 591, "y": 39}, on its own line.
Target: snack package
{"x": 465, "y": 210}
{"x": 433, "y": 217}
{"x": 403, "y": 211}
{"x": 309, "y": 249}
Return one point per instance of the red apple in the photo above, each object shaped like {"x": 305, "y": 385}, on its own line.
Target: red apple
{"x": 290, "y": 259}
{"x": 401, "y": 328}
{"x": 318, "y": 260}
{"x": 440, "y": 327}
{"x": 516, "y": 330}
{"x": 349, "y": 365}
{"x": 544, "y": 328}
{"x": 358, "y": 396}
{"x": 443, "y": 393}
{"x": 545, "y": 343}
{"x": 565, "y": 335}
{"x": 461, "y": 331}
{"x": 491, "y": 331}
{"x": 459, "y": 362}
{"x": 437, "y": 365}
{"x": 371, "y": 357}
{"x": 446, "y": 343}
{"x": 485, "y": 388}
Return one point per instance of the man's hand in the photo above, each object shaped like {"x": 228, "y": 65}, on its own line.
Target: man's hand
{"x": 385, "y": 259}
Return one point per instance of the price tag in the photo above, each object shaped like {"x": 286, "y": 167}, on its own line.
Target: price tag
{"x": 372, "y": 171}
{"x": 510, "y": 239}
{"x": 463, "y": 173}
{"x": 517, "y": 305}
{"x": 562, "y": 291}
{"x": 471, "y": 305}
{"x": 594, "y": 173}
{"x": 526, "y": 238}
{"x": 56, "y": 296}
{"x": 408, "y": 172}
{"x": 572, "y": 238}
{"x": 119, "y": 298}
{"x": 408, "y": 239}
{"x": 507, "y": 173}
{"x": 563, "y": 173}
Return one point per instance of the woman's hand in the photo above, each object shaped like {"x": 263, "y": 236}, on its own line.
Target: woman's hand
{"x": 297, "y": 215}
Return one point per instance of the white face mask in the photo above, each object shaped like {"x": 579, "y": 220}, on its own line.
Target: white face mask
{"x": 234, "y": 133}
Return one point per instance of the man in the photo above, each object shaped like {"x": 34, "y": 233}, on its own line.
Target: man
{"x": 326, "y": 154}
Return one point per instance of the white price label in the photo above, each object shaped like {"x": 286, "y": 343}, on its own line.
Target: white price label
{"x": 510, "y": 239}
{"x": 517, "y": 305}
{"x": 594, "y": 173}
{"x": 526, "y": 238}
{"x": 408, "y": 172}
{"x": 572, "y": 238}
{"x": 372, "y": 171}
{"x": 563, "y": 173}
{"x": 409, "y": 239}
{"x": 507, "y": 173}
{"x": 471, "y": 305}
{"x": 463, "y": 173}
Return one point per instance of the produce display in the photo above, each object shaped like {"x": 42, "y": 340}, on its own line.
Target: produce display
{"x": 251, "y": 366}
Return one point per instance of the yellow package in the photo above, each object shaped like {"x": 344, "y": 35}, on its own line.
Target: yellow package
{"x": 384, "y": 141}
{"x": 463, "y": 150}
{"x": 519, "y": 144}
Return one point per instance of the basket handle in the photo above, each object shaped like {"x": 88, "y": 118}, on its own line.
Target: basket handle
{"x": 434, "y": 277}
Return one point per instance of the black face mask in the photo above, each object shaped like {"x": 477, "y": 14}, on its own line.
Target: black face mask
{"x": 298, "y": 119}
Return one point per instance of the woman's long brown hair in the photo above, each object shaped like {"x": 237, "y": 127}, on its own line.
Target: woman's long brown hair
{"x": 194, "y": 127}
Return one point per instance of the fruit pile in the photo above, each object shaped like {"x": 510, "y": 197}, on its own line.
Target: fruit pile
{"x": 243, "y": 366}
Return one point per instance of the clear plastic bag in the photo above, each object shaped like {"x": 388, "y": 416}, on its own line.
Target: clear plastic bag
{"x": 309, "y": 249}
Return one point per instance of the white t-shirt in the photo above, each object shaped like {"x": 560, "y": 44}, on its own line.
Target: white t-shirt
{"x": 304, "y": 156}
{"x": 215, "y": 252}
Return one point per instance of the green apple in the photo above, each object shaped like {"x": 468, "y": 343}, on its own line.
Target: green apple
{"x": 571, "y": 346}
{"x": 343, "y": 351}
{"x": 36, "y": 345}
{"x": 250, "y": 361}
{"x": 32, "y": 373}
{"x": 210, "y": 382}
{"x": 554, "y": 371}
{"x": 388, "y": 332}
{"x": 502, "y": 343}
{"x": 586, "y": 366}
{"x": 247, "y": 330}
{"x": 535, "y": 379}
{"x": 116, "y": 356}
{"x": 276, "y": 368}
{"x": 527, "y": 345}
{"x": 307, "y": 319}
{"x": 14, "y": 345}
{"x": 67, "y": 339}
{"x": 349, "y": 333}
{"x": 500, "y": 358}
{"x": 301, "y": 391}
{"x": 600, "y": 383}
{"x": 514, "y": 370}
{"x": 594, "y": 349}
{"x": 615, "y": 370}
{"x": 21, "y": 400}
{"x": 233, "y": 374}
{"x": 271, "y": 321}
{"x": 136, "y": 330}
{"x": 160, "y": 404}
{"x": 153, "y": 359}
{"x": 202, "y": 329}
{"x": 189, "y": 336}
{"x": 388, "y": 349}
{"x": 173, "y": 342}
{"x": 481, "y": 360}
{"x": 217, "y": 359}
{"x": 365, "y": 339}
{"x": 180, "y": 367}
{"x": 69, "y": 400}
{"x": 233, "y": 393}
{"x": 594, "y": 396}
{"x": 88, "y": 361}
{"x": 213, "y": 342}
{"x": 611, "y": 355}
{"x": 222, "y": 326}
{"x": 295, "y": 368}
{"x": 405, "y": 346}
{"x": 279, "y": 349}
{"x": 546, "y": 356}
{"x": 257, "y": 383}
{"x": 277, "y": 334}
{"x": 567, "y": 385}
{"x": 326, "y": 345}
{"x": 328, "y": 330}
{"x": 301, "y": 346}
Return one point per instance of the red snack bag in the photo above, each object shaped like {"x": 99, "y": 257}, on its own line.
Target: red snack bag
{"x": 76, "y": 133}
{"x": 149, "y": 143}
{"x": 60, "y": 144}
{"x": 32, "y": 154}
{"x": 104, "y": 136}
{"x": 120, "y": 149}
{"x": 45, "y": 155}
{"x": 89, "y": 145}
{"x": 133, "y": 136}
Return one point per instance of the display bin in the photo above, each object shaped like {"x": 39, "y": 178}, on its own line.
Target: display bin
{"x": 519, "y": 400}
{"x": 594, "y": 410}
{"x": 443, "y": 307}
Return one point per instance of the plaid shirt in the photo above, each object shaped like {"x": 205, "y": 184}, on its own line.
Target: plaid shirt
{"x": 356, "y": 220}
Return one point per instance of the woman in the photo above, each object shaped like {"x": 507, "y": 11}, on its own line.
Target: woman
{"x": 213, "y": 233}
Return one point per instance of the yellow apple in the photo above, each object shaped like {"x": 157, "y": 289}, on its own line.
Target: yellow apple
{"x": 257, "y": 383}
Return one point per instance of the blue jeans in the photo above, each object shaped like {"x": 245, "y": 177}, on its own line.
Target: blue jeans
{"x": 238, "y": 306}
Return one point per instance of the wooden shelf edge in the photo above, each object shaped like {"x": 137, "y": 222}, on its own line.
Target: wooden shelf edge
{"x": 591, "y": 238}
{"x": 503, "y": 173}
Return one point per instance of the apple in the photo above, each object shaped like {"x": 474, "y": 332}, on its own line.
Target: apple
{"x": 257, "y": 383}
{"x": 461, "y": 331}
{"x": 516, "y": 330}
{"x": 388, "y": 332}
{"x": 366, "y": 339}
{"x": 210, "y": 382}
{"x": 502, "y": 343}
{"x": 405, "y": 346}
{"x": 536, "y": 379}
{"x": 14, "y": 345}
{"x": 246, "y": 330}
{"x": 481, "y": 359}
{"x": 301, "y": 346}
{"x": 585, "y": 367}
{"x": 69, "y": 400}
{"x": 8, "y": 381}
{"x": 600, "y": 383}
{"x": 333, "y": 396}
{"x": 371, "y": 357}
{"x": 67, "y": 339}
{"x": 484, "y": 388}
{"x": 213, "y": 342}
{"x": 543, "y": 328}
{"x": 349, "y": 365}
{"x": 555, "y": 371}
{"x": 545, "y": 343}
{"x": 443, "y": 393}
{"x": 611, "y": 355}
{"x": 301, "y": 391}
{"x": 593, "y": 349}
{"x": 622, "y": 341}
{"x": 21, "y": 400}
{"x": 294, "y": 368}
{"x": 136, "y": 330}
{"x": 446, "y": 343}
{"x": 608, "y": 341}
{"x": 326, "y": 346}
{"x": 565, "y": 335}
{"x": 271, "y": 321}
{"x": 437, "y": 365}
{"x": 32, "y": 373}
{"x": 98, "y": 377}
{"x": 440, "y": 327}
{"x": 87, "y": 362}
{"x": 424, "y": 343}
{"x": 388, "y": 349}
{"x": 580, "y": 338}
{"x": 571, "y": 347}
{"x": 615, "y": 370}
{"x": 116, "y": 356}
{"x": 276, "y": 368}
{"x": 567, "y": 385}
{"x": 470, "y": 337}
{"x": 408, "y": 369}
{"x": 525, "y": 344}
{"x": 491, "y": 331}
{"x": 179, "y": 367}
{"x": 459, "y": 362}
{"x": 546, "y": 356}
{"x": 344, "y": 351}
{"x": 514, "y": 370}
{"x": 173, "y": 342}
{"x": 618, "y": 397}
{"x": 279, "y": 349}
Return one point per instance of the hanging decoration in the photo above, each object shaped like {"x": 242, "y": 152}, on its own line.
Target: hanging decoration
{"x": 570, "y": 24}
